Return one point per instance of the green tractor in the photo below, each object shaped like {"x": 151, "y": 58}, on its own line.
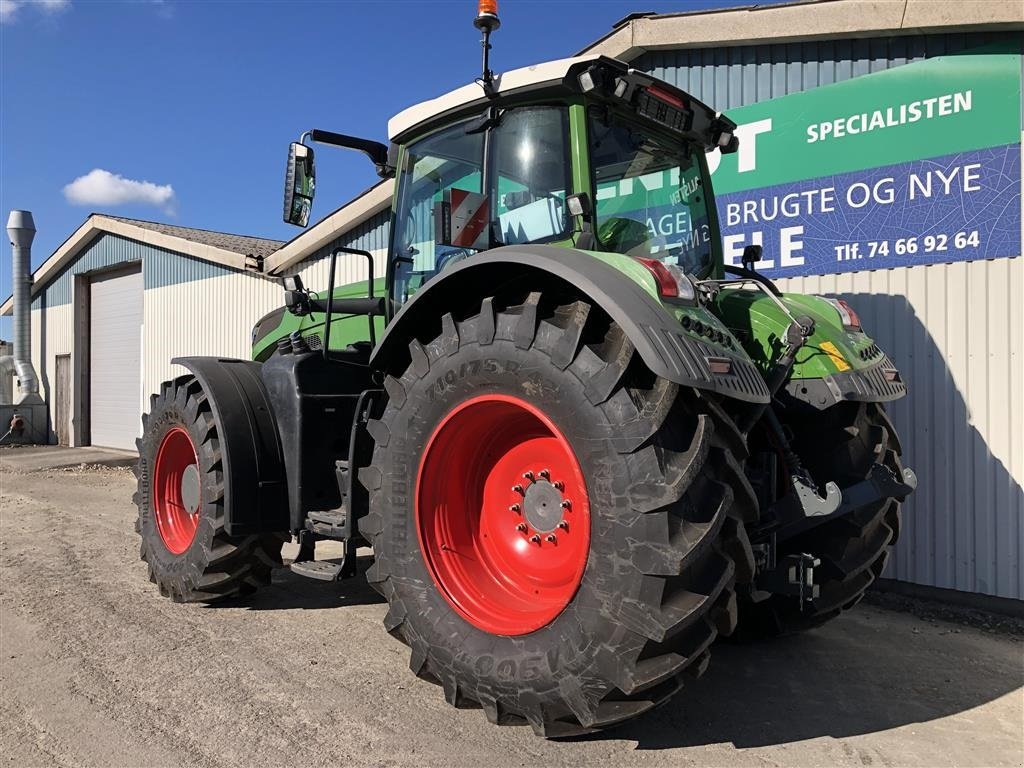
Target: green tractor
{"x": 580, "y": 448}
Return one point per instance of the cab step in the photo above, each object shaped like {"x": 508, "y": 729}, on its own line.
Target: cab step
{"x": 322, "y": 570}
{"x": 330, "y": 524}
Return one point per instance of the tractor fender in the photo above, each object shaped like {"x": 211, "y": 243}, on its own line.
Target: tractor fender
{"x": 255, "y": 492}
{"x": 666, "y": 349}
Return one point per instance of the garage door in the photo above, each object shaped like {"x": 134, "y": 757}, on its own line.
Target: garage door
{"x": 115, "y": 359}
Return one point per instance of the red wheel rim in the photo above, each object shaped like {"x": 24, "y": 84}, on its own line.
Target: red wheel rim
{"x": 176, "y": 490}
{"x": 502, "y": 515}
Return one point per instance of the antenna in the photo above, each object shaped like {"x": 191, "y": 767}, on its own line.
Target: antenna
{"x": 487, "y": 21}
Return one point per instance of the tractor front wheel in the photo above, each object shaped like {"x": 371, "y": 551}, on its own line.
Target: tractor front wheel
{"x": 180, "y": 498}
{"x": 556, "y": 530}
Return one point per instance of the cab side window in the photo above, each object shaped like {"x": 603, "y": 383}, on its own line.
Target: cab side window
{"x": 533, "y": 173}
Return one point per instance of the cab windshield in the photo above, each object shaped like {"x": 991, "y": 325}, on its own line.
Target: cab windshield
{"x": 518, "y": 188}
{"x": 650, "y": 196}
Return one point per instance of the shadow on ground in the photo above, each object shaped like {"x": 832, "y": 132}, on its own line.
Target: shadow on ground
{"x": 873, "y": 670}
{"x": 290, "y": 591}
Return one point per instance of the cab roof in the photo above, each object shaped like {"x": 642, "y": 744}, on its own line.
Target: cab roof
{"x": 517, "y": 80}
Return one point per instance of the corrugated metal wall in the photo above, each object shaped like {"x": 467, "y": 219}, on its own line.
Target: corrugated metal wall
{"x": 371, "y": 235}
{"x": 208, "y": 317}
{"x": 163, "y": 267}
{"x": 734, "y": 77}
{"x": 182, "y": 294}
{"x": 955, "y": 330}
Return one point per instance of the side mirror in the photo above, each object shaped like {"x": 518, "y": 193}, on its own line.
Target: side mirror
{"x": 299, "y": 184}
{"x": 751, "y": 255}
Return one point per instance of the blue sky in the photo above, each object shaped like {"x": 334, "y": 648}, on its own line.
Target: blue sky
{"x": 200, "y": 99}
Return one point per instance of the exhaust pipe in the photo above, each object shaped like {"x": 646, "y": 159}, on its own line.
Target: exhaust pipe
{"x": 21, "y": 229}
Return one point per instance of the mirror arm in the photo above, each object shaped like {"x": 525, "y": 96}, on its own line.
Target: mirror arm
{"x": 377, "y": 152}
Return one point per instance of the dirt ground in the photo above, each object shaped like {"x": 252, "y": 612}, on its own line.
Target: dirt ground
{"x": 98, "y": 669}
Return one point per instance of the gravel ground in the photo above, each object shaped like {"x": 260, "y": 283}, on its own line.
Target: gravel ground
{"x": 97, "y": 669}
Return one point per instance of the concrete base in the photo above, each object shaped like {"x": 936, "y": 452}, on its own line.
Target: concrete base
{"x": 33, "y": 458}
{"x": 37, "y": 428}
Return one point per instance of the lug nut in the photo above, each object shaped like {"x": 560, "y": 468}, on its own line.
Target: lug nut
{"x": 559, "y": 485}
{"x": 518, "y": 489}
{"x": 551, "y": 538}
{"x": 546, "y": 474}
{"x": 535, "y": 539}
{"x": 566, "y": 504}
{"x": 515, "y": 508}
{"x": 564, "y": 525}
{"x": 528, "y": 476}
{"x": 521, "y": 527}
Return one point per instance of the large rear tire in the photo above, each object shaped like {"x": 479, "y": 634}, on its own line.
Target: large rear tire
{"x": 631, "y": 589}
{"x": 843, "y": 445}
{"x": 180, "y": 498}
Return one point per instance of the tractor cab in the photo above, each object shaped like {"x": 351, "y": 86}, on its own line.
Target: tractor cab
{"x": 583, "y": 153}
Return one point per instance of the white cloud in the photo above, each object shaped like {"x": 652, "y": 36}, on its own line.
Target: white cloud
{"x": 103, "y": 188}
{"x": 9, "y": 8}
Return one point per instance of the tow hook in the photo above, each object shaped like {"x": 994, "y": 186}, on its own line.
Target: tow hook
{"x": 793, "y": 576}
{"x": 805, "y": 509}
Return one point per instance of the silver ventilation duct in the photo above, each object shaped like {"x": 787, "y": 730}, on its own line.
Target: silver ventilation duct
{"x": 22, "y": 230}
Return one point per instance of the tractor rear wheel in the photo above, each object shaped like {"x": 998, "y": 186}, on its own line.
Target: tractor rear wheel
{"x": 843, "y": 445}
{"x": 180, "y": 498}
{"x": 556, "y": 530}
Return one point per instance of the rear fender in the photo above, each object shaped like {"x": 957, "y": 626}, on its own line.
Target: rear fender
{"x": 666, "y": 348}
{"x": 255, "y": 492}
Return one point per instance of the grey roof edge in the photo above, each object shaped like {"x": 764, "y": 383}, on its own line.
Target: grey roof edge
{"x": 803, "y": 20}
{"x": 244, "y": 245}
{"x": 155, "y": 235}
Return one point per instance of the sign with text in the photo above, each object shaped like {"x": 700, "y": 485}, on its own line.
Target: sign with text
{"x": 914, "y": 165}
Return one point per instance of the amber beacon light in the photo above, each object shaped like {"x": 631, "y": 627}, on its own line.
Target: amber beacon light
{"x": 487, "y": 16}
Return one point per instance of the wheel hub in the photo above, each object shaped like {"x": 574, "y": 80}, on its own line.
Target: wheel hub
{"x": 190, "y": 489}
{"x": 177, "y": 490}
{"x": 502, "y": 515}
{"x": 542, "y": 506}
